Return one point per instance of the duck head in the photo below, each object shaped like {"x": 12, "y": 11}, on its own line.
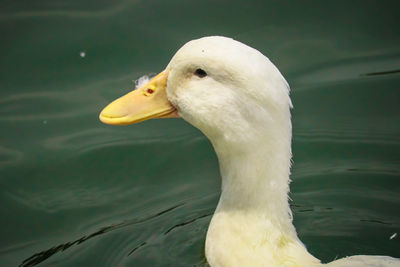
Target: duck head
{"x": 219, "y": 85}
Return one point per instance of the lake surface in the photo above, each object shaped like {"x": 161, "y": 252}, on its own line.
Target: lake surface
{"x": 75, "y": 192}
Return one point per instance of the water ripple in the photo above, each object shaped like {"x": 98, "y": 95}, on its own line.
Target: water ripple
{"x": 351, "y": 129}
{"x": 347, "y": 69}
{"x": 98, "y": 138}
{"x": 64, "y": 12}
{"x": 70, "y": 198}
{"x": 187, "y": 222}
{"x": 43, "y": 255}
{"x": 9, "y": 156}
{"x": 68, "y": 103}
{"x": 314, "y": 168}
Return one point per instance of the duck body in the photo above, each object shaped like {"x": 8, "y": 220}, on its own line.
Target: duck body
{"x": 240, "y": 101}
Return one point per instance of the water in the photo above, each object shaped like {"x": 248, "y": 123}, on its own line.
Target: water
{"x": 75, "y": 192}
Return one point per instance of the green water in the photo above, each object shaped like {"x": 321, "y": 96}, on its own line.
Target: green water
{"x": 75, "y": 192}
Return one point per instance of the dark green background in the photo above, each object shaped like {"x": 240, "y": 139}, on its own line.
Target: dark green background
{"x": 75, "y": 192}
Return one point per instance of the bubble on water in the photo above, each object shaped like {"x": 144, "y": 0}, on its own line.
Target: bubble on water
{"x": 82, "y": 54}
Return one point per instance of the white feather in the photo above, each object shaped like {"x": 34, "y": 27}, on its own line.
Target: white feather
{"x": 142, "y": 80}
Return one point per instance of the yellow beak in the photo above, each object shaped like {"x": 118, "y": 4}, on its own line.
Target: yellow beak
{"x": 147, "y": 102}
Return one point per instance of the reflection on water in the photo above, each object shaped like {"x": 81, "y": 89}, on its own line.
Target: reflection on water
{"x": 75, "y": 192}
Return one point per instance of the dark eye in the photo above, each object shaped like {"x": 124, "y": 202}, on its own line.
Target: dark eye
{"x": 200, "y": 73}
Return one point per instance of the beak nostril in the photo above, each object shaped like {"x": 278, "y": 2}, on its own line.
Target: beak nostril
{"x": 150, "y": 91}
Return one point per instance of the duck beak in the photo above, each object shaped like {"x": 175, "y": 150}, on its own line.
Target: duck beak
{"x": 147, "y": 102}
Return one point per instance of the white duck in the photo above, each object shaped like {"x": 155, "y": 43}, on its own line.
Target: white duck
{"x": 240, "y": 101}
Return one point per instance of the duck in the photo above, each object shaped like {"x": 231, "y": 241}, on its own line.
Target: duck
{"x": 241, "y": 102}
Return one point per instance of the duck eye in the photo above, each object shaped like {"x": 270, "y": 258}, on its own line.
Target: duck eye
{"x": 200, "y": 73}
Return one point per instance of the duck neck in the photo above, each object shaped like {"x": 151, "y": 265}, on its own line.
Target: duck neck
{"x": 253, "y": 219}
{"x": 255, "y": 172}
